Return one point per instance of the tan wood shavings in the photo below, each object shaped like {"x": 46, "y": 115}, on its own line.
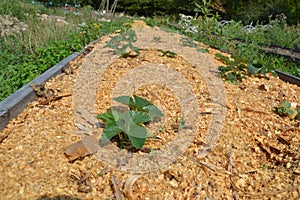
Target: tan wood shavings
{"x": 32, "y": 163}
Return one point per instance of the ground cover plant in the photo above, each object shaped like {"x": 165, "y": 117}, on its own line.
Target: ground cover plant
{"x": 34, "y": 38}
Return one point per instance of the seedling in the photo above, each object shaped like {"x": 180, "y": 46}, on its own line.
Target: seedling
{"x": 180, "y": 125}
{"x": 287, "y": 109}
{"x": 128, "y": 126}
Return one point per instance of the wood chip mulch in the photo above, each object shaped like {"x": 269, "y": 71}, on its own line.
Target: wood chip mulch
{"x": 256, "y": 156}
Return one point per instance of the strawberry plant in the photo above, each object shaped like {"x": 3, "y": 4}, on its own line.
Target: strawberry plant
{"x": 236, "y": 68}
{"x": 287, "y": 109}
{"x": 128, "y": 127}
{"x": 123, "y": 44}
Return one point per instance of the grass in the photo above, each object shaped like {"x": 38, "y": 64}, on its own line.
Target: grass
{"x": 31, "y": 43}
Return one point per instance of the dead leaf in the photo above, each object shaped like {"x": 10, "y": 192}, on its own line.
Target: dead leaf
{"x": 88, "y": 145}
{"x": 83, "y": 181}
{"x": 253, "y": 110}
{"x": 264, "y": 87}
{"x": 76, "y": 151}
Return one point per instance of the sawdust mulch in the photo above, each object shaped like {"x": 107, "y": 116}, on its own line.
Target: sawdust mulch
{"x": 255, "y": 157}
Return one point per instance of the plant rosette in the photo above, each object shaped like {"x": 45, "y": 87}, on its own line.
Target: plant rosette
{"x": 129, "y": 124}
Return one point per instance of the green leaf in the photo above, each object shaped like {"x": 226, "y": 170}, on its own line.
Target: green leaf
{"x": 140, "y": 103}
{"x": 119, "y": 119}
{"x": 287, "y": 104}
{"x": 290, "y": 112}
{"x": 117, "y": 115}
{"x": 264, "y": 70}
{"x": 107, "y": 117}
{"x": 298, "y": 111}
{"x": 170, "y": 54}
{"x": 252, "y": 70}
{"x": 123, "y": 100}
{"x": 139, "y": 117}
{"x": 153, "y": 111}
{"x": 136, "y": 134}
{"x": 110, "y": 131}
{"x": 231, "y": 78}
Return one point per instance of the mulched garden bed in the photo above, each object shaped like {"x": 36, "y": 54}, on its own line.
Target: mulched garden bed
{"x": 256, "y": 154}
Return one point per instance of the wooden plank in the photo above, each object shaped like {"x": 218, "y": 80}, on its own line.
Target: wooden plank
{"x": 288, "y": 77}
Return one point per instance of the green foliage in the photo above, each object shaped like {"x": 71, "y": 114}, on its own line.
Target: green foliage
{"x": 128, "y": 126}
{"x": 246, "y": 41}
{"x": 27, "y": 54}
{"x": 286, "y": 109}
{"x": 123, "y": 44}
{"x": 151, "y": 8}
{"x": 236, "y": 68}
{"x": 260, "y": 10}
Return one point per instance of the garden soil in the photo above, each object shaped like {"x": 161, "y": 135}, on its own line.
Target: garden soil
{"x": 235, "y": 148}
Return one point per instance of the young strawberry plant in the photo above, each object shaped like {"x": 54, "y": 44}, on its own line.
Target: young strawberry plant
{"x": 128, "y": 127}
{"x": 236, "y": 68}
{"x": 123, "y": 44}
{"x": 287, "y": 109}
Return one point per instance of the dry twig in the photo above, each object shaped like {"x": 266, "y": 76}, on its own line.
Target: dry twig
{"x": 117, "y": 191}
{"x": 235, "y": 196}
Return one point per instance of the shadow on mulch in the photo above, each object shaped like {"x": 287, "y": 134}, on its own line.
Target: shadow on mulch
{"x": 64, "y": 197}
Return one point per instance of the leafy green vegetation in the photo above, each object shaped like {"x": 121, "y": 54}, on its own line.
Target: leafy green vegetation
{"x": 123, "y": 44}
{"x": 244, "y": 43}
{"x": 128, "y": 126}
{"x": 46, "y": 37}
{"x": 261, "y": 10}
{"x": 287, "y": 109}
{"x": 34, "y": 38}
